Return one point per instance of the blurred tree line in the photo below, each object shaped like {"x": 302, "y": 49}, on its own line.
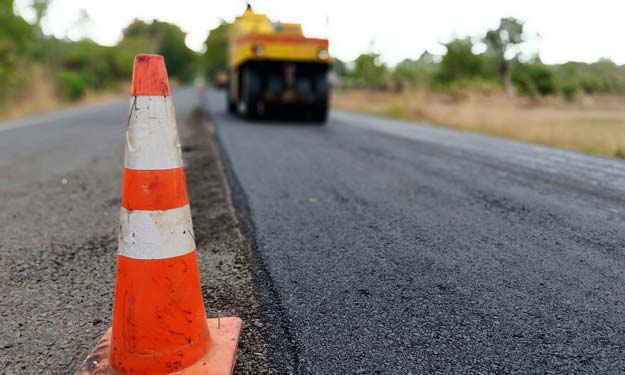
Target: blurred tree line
{"x": 499, "y": 66}
{"x": 80, "y": 66}
{"x": 17, "y": 43}
{"x": 490, "y": 62}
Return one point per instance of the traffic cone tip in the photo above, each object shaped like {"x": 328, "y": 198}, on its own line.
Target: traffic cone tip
{"x": 149, "y": 76}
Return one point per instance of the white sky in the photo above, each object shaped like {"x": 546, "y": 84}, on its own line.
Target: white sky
{"x": 579, "y": 30}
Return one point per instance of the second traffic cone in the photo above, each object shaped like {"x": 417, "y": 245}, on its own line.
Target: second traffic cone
{"x": 159, "y": 321}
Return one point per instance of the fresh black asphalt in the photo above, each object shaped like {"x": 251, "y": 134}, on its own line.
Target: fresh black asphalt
{"x": 397, "y": 248}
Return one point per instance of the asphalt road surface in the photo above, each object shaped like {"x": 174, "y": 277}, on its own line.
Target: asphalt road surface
{"x": 398, "y": 248}
{"x": 60, "y": 179}
{"x": 381, "y": 247}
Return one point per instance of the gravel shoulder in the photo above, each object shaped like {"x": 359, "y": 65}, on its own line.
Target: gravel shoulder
{"x": 227, "y": 265}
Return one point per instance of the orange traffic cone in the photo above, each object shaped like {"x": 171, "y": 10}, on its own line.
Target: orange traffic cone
{"x": 159, "y": 321}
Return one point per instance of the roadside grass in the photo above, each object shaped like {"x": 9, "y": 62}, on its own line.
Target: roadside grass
{"x": 593, "y": 125}
{"x": 42, "y": 95}
{"x": 42, "y": 105}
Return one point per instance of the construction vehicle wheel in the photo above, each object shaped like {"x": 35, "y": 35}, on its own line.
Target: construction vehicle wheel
{"x": 250, "y": 93}
{"x": 320, "y": 115}
{"x": 231, "y": 104}
{"x": 320, "y": 105}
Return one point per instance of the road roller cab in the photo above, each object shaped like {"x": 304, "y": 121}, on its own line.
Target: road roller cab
{"x": 272, "y": 66}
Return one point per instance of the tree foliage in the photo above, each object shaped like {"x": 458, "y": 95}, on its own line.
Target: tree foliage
{"x": 340, "y": 68}
{"x": 370, "y": 70}
{"x": 460, "y": 63}
{"x": 498, "y": 67}
{"x": 162, "y": 38}
{"x": 81, "y": 66}
{"x": 414, "y": 73}
{"x": 215, "y": 58}
{"x": 501, "y": 43}
{"x": 602, "y": 76}
{"x": 534, "y": 79}
{"x": 16, "y": 42}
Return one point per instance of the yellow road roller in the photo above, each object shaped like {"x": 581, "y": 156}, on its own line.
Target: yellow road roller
{"x": 274, "y": 68}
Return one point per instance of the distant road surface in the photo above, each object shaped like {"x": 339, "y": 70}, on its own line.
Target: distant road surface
{"x": 398, "y": 248}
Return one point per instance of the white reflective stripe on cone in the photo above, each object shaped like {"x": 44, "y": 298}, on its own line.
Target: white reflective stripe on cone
{"x": 152, "y": 137}
{"x": 156, "y": 234}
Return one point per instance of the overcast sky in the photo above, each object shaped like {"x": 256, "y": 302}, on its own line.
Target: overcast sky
{"x": 569, "y": 29}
